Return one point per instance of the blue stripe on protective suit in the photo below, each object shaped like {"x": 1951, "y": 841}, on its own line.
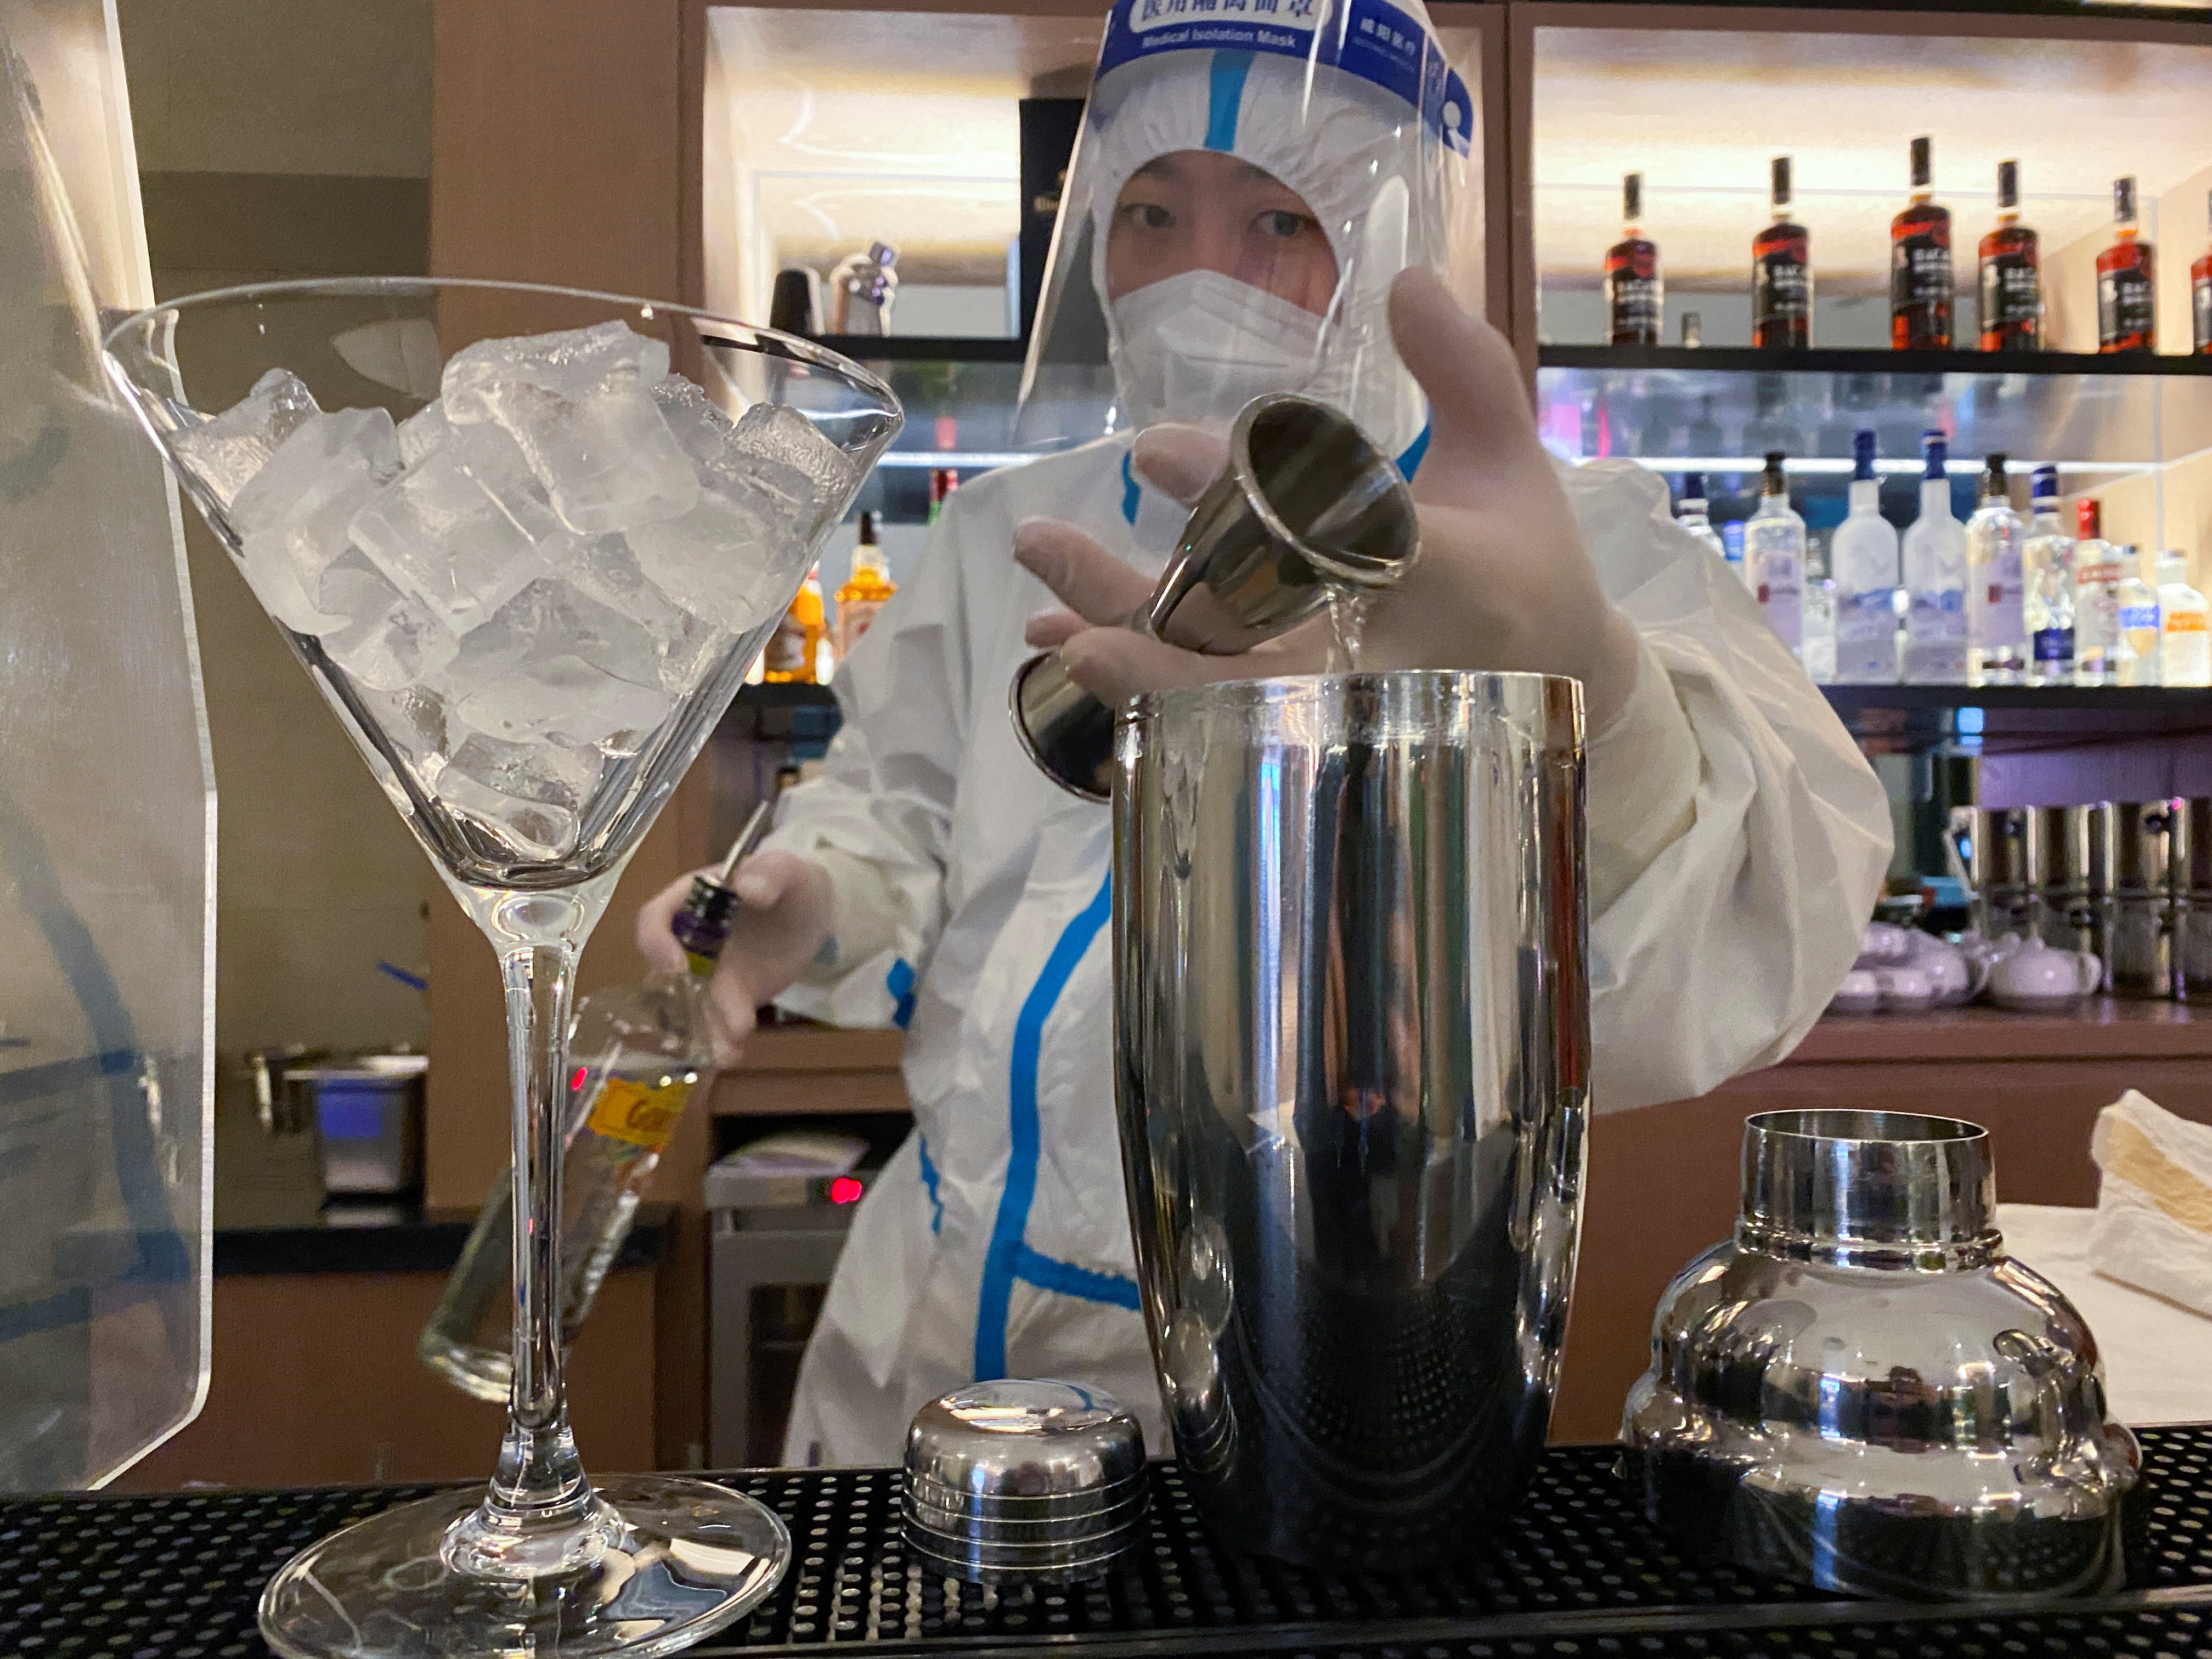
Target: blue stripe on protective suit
{"x": 1224, "y": 98}
{"x": 1131, "y": 494}
{"x": 1007, "y": 1257}
{"x": 929, "y": 1179}
{"x": 900, "y": 983}
{"x": 1410, "y": 462}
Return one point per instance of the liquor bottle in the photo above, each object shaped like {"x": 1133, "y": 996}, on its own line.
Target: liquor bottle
{"x": 2012, "y": 276}
{"x": 2047, "y": 556}
{"x": 1996, "y": 626}
{"x": 2097, "y": 574}
{"x": 1935, "y": 576}
{"x": 2200, "y": 295}
{"x": 2137, "y": 662}
{"x": 1634, "y": 302}
{"x": 793, "y": 653}
{"x": 1690, "y": 512}
{"x": 2184, "y": 645}
{"x": 1864, "y": 556}
{"x": 1732, "y": 550}
{"x": 1774, "y": 557}
{"x": 866, "y": 591}
{"x": 637, "y": 1052}
{"x": 1920, "y": 291}
{"x": 1818, "y": 652}
{"x": 1693, "y": 327}
{"x": 2126, "y": 278}
{"x": 942, "y": 481}
{"x": 1781, "y": 274}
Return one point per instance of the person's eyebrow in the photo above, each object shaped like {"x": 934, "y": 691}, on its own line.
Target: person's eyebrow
{"x": 1160, "y": 166}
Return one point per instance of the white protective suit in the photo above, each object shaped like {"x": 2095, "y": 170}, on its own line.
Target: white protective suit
{"x": 1736, "y": 843}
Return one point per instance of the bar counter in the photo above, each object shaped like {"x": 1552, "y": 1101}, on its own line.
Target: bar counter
{"x": 1572, "y": 1573}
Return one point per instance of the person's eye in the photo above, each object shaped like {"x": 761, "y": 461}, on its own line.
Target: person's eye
{"x": 1151, "y": 215}
{"x": 1282, "y": 223}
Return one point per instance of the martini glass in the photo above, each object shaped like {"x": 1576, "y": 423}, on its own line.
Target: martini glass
{"x": 526, "y": 541}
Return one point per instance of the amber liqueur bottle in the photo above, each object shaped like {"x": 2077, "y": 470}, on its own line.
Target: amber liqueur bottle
{"x": 2200, "y": 295}
{"x": 2011, "y": 274}
{"x": 1781, "y": 274}
{"x": 1635, "y": 299}
{"x": 2126, "y": 281}
{"x": 1920, "y": 292}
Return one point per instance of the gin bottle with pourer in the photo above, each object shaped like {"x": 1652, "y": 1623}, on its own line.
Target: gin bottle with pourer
{"x": 635, "y": 1055}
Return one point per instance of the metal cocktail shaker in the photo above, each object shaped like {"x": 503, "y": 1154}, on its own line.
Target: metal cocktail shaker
{"x": 1307, "y": 509}
{"x": 1353, "y": 1044}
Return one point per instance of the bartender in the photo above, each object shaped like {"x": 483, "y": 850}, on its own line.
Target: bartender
{"x": 1273, "y": 208}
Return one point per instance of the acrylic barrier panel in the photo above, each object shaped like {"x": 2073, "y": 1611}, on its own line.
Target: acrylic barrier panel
{"x": 106, "y": 809}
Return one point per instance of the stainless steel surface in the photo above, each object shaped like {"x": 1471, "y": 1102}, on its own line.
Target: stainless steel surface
{"x": 1352, "y": 1053}
{"x": 2143, "y": 868}
{"x": 1861, "y": 1390}
{"x": 2192, "y": 904}
{"x": 2006, "y": 850}
{"x": 1024, "y": 1480}
{"x": 367, "y": 1114}
{"x": 1307, "y": 509}
{"x": 2072, "y": 880}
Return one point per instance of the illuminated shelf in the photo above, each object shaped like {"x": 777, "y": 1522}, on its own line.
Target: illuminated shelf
{"x": 1824, "y": 360}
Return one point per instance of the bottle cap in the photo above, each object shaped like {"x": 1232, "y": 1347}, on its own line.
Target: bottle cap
{"x": 702, "y": 924}
{"x": 2089, "y": 518}
{"x": 2008, "y": 186}
{"x": 1693, "y": 487}
{"x": 1935, "y": 450}
{"x": 1922, "y": 171}
{"x": 2123, "y": 200}
{"x": 867, "y": 536}
{"x": 1862, "y": 455}
{"x": 1775, "y": 485}
{"x": 2043, "y": 484}
{"x": 1993, "y": 474}
{"x": 1631, "y": 199}
{"x": 1780, "y": 177}
{"x": 2172, "y": 567}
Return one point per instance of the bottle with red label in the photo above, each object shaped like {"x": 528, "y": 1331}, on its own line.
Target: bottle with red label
{"x": 2011, "y": 274}
{"x": 637, "y": 1053}
{"x": 1635, "y": 299}
{"x": 1781, "y": 273}
{"x": 2200, "y": 295}
{"x": 2127, "y": 286}
{"x": 1920, "y": 283}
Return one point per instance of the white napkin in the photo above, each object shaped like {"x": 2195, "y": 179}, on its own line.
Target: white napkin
{"x": 2154, "y": 1226}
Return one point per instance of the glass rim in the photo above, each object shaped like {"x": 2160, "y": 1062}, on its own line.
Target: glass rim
{"x": 793, "y": 346}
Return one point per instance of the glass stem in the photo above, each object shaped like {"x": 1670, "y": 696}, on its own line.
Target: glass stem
{"x": 538, "y": 1515}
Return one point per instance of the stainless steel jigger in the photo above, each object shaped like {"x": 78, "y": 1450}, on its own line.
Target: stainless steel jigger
{"x": 1307, "y": 509}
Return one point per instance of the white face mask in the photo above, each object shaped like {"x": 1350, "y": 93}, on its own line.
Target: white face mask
{"x": 1199, "y": 346}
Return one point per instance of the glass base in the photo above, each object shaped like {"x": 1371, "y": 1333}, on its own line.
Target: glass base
{"x": 691, "y": 1557}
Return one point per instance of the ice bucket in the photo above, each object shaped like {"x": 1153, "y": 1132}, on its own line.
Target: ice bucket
{"x": 1353, "y": 1046}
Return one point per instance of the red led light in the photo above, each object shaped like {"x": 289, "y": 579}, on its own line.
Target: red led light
{"x": 576, "y": 1078}
{"x": 844, "y": 1189}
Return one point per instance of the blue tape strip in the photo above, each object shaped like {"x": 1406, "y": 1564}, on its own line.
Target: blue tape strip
{"x": 1132, "y": 492}
{"x": 929, "y": 1179}
{"x": 1002, "y": 1258}
{"x": 1224, "y": 98}
{"x": 1066, "y": 1279}
{"x": 1410, "y": 462}
{"x": 900, "y": 983}
{"x": 393, "y": 970}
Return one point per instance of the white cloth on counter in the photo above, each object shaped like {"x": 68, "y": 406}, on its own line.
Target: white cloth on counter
{"x": 2157, "y": 1354}
{"x": 2154, "y": 1226}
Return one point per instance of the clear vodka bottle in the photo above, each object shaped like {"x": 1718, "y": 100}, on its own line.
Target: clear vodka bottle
{"x": 2097, "y": 576}
{"x": 1936, "y": 577}
{"x": 1774, "y": 557}
{"x": 1862, "y": 557}
{"x": 2047, "y": 558}
{"x": 1690, "y": 512}
{"x": 1996, "y": 622}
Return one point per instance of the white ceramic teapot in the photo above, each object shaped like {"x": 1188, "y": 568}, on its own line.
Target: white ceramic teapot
{"x": 2036, "y": 977}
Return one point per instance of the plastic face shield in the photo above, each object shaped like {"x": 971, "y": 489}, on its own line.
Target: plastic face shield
{"x": 106, "y": 809}
{"x": 1251, "y": 176}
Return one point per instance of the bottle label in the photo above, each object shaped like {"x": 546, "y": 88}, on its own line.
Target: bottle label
{"x": 2124, "y": 305}
{"x": 1997, "y": 611}
{"x": 2185, "y": 621}
{"x": 642, "y": 1117}
{"x": 2200, "y": 311}
{"x": 2054, "y": 645}
{"x": 1869, "y": 615}
{"x": 2012, "y": 291}
{"x": 2139, "y": 619}
{"x": 1781, "y": 590}
{"x": 786, "y": 652}
{"x": 854, "y": 618}
{"x": 1920, "y": 279}
{"x": 1938, "y": 617}
{"x": 1634, "y": 304}
{"x": 1779, "y": 291}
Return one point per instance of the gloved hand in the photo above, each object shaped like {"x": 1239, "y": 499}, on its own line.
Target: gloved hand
{"x": 781, "y": 920}
{"x": 1503, "y": 582}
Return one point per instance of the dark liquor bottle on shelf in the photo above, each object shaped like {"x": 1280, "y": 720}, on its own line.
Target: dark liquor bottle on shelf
{"x": 1781, "y": 274}
{"x": 1920, "y": 265}
{"x": 2126, "y": 279}
{"x": 1634, "y": 301}
{"x": 2012, "y": 277}
{"x": 2200, "y": 296}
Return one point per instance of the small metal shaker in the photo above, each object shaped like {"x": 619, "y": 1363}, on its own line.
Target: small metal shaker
{"x": 1307, "y": 509}
{"x": 2143, "y": 836}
